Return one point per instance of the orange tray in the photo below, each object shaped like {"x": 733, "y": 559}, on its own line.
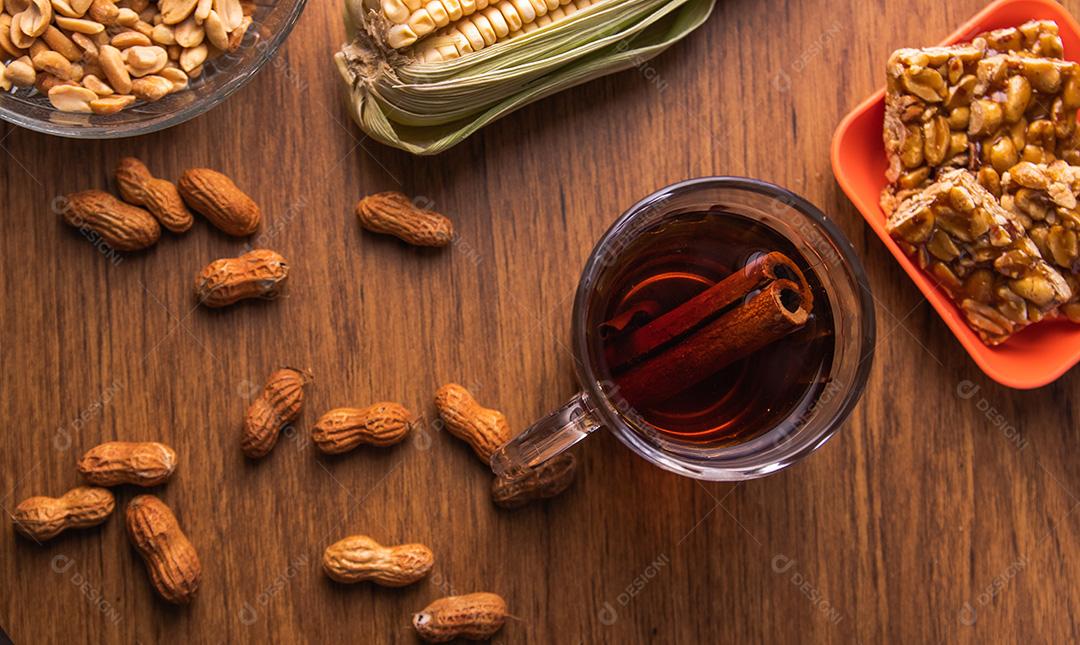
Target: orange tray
{"x": 1039, "y": 354}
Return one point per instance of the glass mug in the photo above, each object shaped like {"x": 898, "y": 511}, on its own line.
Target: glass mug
{"x": 829, "y": 261}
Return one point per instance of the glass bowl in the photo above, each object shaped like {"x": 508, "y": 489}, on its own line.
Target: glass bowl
{"x": 271, "y": 24}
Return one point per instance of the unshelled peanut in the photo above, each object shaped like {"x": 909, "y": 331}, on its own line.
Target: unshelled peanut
{"x": 342, "y": 429}
{"x": 43, "y": 518}
{"x": 122, "y": 226}
{"x": 393, "y": 213}
{"x": 546, "y": 480}
{"x": 483, "y": 428}
{"x": 359, "y": 558}
{"x": 137, "y": 186}
{"x": 216, "y": 196}
{"x": 256, "y": 274}
{"x": 278, "y": 405}
{"x": 124, "y": 462}
{"x": 170, "y": 558}
{"x": 475, "y": 616}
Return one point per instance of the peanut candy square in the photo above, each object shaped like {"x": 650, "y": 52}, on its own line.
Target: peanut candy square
{"x": 991, "y": 103}
{"x": 957, "y": 231}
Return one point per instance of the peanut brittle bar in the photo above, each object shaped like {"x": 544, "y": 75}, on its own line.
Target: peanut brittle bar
{"x": 957, "y": 231}
{"x": 1002, "y": 98}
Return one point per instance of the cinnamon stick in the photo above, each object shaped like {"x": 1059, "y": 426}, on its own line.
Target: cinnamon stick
{"x": 767, "y": 317}
{"x": 709, "y": 303}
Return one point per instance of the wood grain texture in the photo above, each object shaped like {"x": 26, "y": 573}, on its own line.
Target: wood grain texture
{"x": 921, "y": 521}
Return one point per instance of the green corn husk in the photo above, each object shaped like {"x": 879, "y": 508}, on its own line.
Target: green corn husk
{"x": 426, "y": 108}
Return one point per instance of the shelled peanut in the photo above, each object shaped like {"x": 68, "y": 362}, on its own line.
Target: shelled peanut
{"x": 482, "y": 428}
{"x": 171, "y": 559}
{"x": 100, "y": 57}
{"x": 360, "y": 558}
{"x": 278, "y": 405}
{"x": 114, "y": 463}
{"x": 343, "y": 429}
{"x": 545, "y": 481}
{"x": 256, "y": 274}
{"x": 475, "y": 616}
{"x": 43, "y": 518}
{"x": 393, "y": 213}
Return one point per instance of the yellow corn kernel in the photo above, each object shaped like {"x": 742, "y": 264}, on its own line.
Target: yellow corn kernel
{"x": 525, "y": 10}
{"x": 458, "y": 47}
{"x": 539, "y": 7}
{"x": 431, "y": 54}
{"x": 487, "y": 32}
{"x": 498, "y": 22}
{"x": 454, "y": 9}
{"x": 469, "y": 30}
{"x": 421, "y": 22}
{"x": 513, "y": 18}
{"x": 400, "y": 36}
{"x": 438, "y": 13}
{"x": 395, "y": 11}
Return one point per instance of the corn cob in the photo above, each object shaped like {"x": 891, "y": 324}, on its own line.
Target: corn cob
{"x": 497, "y": 23}
{"x": 412, "y": 83}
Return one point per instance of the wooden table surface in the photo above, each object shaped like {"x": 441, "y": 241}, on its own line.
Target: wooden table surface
{"x": 941, "y": 512}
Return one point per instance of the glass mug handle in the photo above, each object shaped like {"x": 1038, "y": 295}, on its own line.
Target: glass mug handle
{"x": 546, "y": 438}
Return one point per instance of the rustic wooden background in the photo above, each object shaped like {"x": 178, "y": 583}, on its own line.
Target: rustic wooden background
{"x": 942, "y": 512}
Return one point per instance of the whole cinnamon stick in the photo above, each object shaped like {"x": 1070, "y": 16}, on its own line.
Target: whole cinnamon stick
{"x": 764, "y": 301}
{"x": 728, "y": 292}
{"x": 776, "y": 311}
